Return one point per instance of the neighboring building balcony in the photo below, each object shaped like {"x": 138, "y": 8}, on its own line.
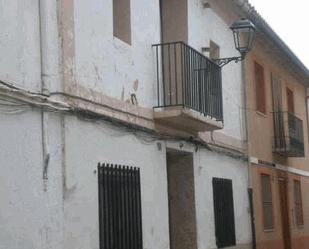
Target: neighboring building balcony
{"x": 289, "y": 136}
{"x": 189, "y": 89}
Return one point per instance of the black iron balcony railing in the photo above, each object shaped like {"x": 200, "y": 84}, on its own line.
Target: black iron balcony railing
{"x": 289, "y": 136}
{"x": 187, "y": 78}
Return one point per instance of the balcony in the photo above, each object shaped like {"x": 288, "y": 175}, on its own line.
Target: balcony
{"x": 189, "y": 89}
{"x": 289, "y": 137}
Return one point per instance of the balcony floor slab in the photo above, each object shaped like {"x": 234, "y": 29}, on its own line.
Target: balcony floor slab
{"x": 186, "y": 119}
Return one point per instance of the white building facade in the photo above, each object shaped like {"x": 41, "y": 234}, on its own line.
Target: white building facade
{"x": 78, "y": 88}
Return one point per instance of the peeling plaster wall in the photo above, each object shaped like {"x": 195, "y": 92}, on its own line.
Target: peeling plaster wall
{"x": 103, "y": 144}
{"x": 114, "y": 68}
{"x": 205, "y": 25}
{"x": 99, "y": 143}
{"x": 30, "y": 218}
{"x": 20, "y": 43}
{"x": 31, "y": 215}
{"x": 109, "y": 65}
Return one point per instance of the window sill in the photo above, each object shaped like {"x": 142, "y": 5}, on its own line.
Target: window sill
{"x": 261, "y": 114}
{"x": 121, "y": 44}
{"x": 269, "y": 230}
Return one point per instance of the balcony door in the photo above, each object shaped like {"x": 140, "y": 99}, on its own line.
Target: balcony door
{"x": 290, "y": 100}
{"x": 278, "y": 116}
{"x": 291, "y": 110}
{"x": 276, "y": 93}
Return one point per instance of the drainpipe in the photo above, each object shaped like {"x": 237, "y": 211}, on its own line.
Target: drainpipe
{"x": 49, "y": 46}
{"x": 49, "y": 57}
{"x": 50, "y": 81}
{"x": 161, "y": 20}
{"x": 248, "y": 149}
{"x": 247, "y": 9}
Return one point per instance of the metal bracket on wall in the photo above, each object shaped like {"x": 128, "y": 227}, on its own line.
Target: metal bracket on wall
{"x": 224, "y": 61}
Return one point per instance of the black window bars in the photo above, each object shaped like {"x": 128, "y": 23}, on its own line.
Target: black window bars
{"x": 120, "y": 212}
{"x": 288, "y": 134}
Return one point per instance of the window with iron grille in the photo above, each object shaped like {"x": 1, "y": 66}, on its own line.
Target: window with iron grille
{"x": 224, "y": 212}
{"x": 120, "y": 216}
{"x": 260, "y": 88}
{"x": 267, "y": 202}
{"x": 298, "y": 204}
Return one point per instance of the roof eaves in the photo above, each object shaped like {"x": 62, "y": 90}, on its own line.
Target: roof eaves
{"x": 264, "y": 27}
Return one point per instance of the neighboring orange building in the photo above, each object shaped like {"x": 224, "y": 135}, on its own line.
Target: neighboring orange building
{"x": 277, "y": 128}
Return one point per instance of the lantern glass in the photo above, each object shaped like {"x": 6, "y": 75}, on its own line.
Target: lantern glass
{"x": 243, "y": 32}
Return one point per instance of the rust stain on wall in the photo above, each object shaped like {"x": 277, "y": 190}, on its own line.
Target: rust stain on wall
{"x": 122, "y": 93}
{"x": 135, "y": 85}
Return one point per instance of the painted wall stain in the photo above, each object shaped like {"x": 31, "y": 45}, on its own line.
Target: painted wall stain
{"x": 135, "y": 85}
{"x": 122, "y": 93}
{"x": 98, "y": 76}
{"x": 69, "y": 191}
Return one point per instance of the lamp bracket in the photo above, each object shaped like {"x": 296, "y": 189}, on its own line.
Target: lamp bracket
{"x": 224, "y": 61}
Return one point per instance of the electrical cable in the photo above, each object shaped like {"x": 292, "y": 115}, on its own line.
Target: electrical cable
{"x": 30, "y": 99}
{"x": 12, "y": 86}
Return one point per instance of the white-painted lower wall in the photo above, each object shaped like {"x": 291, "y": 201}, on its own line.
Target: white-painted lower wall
{"x": 86, "y": 145}
{"x": 207, "y": 166}
{"x": 89, "y": 143}
{"x": 31, "y": 215}
{"x": 38, "y": 214}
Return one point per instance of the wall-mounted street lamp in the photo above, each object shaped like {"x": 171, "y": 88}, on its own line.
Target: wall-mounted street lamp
{"x": 243, "y": 32}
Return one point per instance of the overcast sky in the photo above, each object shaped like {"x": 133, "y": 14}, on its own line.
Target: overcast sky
{"x": 290, "y": 20}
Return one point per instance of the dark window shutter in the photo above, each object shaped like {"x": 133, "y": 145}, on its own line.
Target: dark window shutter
{"x": 260, "y": 88}
{"x": 298, "y": 203}
{"x": 120, "y": 214}
{"x": 224, "y": 212}
{"x": 267, "y": 202}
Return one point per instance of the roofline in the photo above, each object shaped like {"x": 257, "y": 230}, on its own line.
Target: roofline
{"x": 263, "y": 26}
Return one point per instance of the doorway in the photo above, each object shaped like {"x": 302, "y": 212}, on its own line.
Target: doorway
{"x": 284, "y": 207}
{"x": 181, "y": 199}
